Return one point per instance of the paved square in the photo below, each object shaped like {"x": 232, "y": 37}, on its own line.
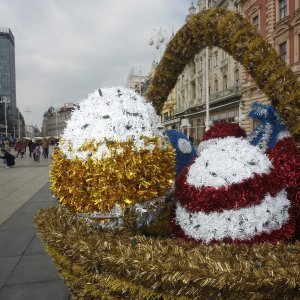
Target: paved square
{"x": 26, "y": 271}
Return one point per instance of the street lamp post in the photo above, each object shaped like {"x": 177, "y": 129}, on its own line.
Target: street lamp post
{"x": 207, "y": 121}
{"x": 19, "y": 125}
{"x": 56, "y": 112}
{"x": 29, "y": 111}
{"x": 4, "y": 100}
{"x": 157, "y": 38}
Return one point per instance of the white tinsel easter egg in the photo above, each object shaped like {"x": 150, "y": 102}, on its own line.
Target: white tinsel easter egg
{"x": 114, "y": 114}
{"x": 112, "y": 152}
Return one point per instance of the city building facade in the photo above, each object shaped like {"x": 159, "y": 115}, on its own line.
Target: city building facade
{"x": 279, "y": 22}
{"x": 32, "y": 131}
{"x": 136, "y": 81}
{"x": 231, "y": 89}
{"x": 224, "y": 81}
{"x": 55, "y": 120}
{"x": 20, "y": 125}
{"x": 167, "y": 114}
{"x": 168, "y": 118}
{"x": 8, "y": 107}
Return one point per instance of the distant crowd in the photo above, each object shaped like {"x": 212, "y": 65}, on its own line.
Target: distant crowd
{"x": 35, "y": 148}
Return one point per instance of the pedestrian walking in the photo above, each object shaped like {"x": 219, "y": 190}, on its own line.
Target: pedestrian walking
{"x": 45, "y": 146}
{"x": 8, "y": 158}
{"x": 37, "y": 153}
{"x": 19, "y": 148}
{"x": 7, "y": 145}
{"x": 30, "y": 147}
{"x": 24, "y": 143}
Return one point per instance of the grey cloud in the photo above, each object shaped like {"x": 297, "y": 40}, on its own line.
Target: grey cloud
{"x": 65, "y": 49}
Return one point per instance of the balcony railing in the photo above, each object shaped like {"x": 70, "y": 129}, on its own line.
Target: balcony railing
{"x": 179, "y": 110}
{"x": 229, "y": 92}
{"x": 232, "y": 91}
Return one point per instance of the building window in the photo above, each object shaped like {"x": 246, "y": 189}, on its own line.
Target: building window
{"x": 282, "y": 9}
{"x": 283, "y": 51}
{"x": 215, "y": 58}
{"x": 201, "y": 91}
{"x": 209, "y": 90}
{"x": 255, "y": 22}
{"x": 236, "y": 78}
{"x": 224, "y": 54}
{"x": 201, "y": 64}
{"x": 193, "y": 90}
{"x": 216, "y": 85}
{"x": 225, "y": 84}
{"x": 192, "y": 68}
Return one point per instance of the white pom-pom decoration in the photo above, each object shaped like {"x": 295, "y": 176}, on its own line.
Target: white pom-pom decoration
{"x": 184, "y": 146}
{"x": 115, "y": 114}
{"x": 227, "y": 161}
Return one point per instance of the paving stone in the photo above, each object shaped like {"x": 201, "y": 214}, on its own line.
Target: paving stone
{"x": 41, "y": 198}
{"x": 10, "y": 207}
{"x": 18, "y": 221}
{"x": 33, "y": 268}
{"x": 33, "y": 207}
{"x": 44, "y": 189}
{"x": 26, "y": 272}
{"x": 36, "y": 246}
{"x": 14, "y": 243}
{"x": 3, "y": 218}
{"x": 49, "y": 290}
{"x": 7, "y": 264}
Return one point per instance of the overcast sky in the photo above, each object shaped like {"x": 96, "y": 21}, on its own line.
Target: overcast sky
{"x": 66, "y": 49}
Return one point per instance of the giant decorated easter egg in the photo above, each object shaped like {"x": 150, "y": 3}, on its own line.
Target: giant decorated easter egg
{"x": 112, "y": 152}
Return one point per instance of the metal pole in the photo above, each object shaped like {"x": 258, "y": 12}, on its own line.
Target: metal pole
{"x": 19, "y": 124}
{"x": 56, "y": 123}
{"x": 140, "y": 81}
{"x": 207, "y": 122}
{"x": 5, "y": 116}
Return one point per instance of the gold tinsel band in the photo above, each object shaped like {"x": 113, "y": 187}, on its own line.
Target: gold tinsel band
{"x": 118, "y": 264}
{"x": 234, "y": 34}
{"x": 128, "y": 176}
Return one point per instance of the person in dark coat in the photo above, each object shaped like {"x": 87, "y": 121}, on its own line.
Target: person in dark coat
{"x": 9, "y": 158}
{"x": 31, "y": 147}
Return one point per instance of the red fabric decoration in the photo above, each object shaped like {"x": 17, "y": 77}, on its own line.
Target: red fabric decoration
{"x": 221, "y": 130}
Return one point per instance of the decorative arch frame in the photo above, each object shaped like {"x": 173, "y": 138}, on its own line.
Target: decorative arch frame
{"x": 234, "y": 34}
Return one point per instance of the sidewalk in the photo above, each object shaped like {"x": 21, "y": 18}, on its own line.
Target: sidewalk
{"x": 26, "y": 271}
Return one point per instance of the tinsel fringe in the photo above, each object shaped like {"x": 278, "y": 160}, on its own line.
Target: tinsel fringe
{"x": 118, "y": 264}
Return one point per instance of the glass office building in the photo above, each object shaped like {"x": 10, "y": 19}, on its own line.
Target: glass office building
{"x": 7, "y": 82}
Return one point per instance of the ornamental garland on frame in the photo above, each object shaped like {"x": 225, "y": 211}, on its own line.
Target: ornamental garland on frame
{"x": 231, "y": 32}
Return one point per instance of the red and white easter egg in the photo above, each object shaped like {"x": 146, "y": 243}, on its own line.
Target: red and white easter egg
{"x": 234, "y": 192}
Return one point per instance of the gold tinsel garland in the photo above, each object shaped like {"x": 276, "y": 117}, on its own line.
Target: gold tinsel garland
{"x": 234, "y": 34}
{"x": 125, "y": 178}
{"x": 119, "y": 264}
